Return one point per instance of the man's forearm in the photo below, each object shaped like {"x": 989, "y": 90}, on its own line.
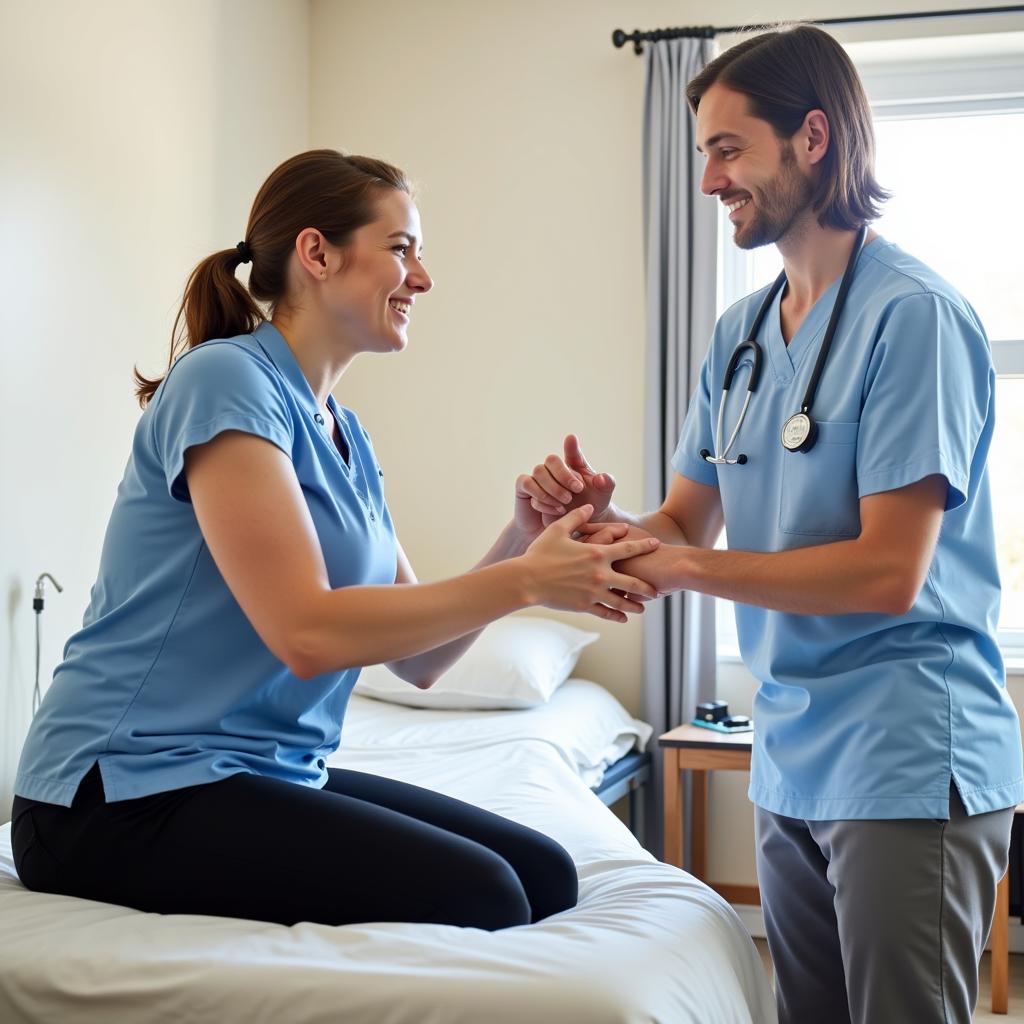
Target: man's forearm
{"x": 828, "y": 579}
{"x": 656, "y": 523}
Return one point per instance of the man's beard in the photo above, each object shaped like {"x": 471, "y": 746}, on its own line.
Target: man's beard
{"x": 776, "y": 204}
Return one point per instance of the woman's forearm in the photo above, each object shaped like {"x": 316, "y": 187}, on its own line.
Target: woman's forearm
{"x": 356, "y": 626}
{"x": 330, "y": 630}
{"x": 424, "y": 669}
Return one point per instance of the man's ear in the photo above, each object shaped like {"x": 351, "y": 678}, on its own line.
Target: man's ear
{"x": 814, "y": 134}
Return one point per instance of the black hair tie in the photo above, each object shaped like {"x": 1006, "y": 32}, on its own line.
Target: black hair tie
{"x": 244, "y": 251}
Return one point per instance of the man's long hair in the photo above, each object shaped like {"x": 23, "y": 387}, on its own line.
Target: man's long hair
{"x": 785, "y": 74}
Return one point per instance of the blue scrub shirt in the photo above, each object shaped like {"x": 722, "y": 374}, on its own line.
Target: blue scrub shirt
{"x": 167, "y": 683}
{"x": 868, "y": 715}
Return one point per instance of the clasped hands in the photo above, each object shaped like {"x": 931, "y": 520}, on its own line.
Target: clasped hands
{"x": 558, "y": 487}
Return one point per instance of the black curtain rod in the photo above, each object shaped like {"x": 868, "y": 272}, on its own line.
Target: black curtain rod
{"x": 638, "y": 38}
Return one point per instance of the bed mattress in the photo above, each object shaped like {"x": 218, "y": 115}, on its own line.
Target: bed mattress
{"x": 646, "y": 942}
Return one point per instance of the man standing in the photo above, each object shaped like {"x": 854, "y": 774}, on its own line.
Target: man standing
{"x": 887, "y": 755}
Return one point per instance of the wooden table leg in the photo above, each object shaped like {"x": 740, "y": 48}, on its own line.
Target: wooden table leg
{"x": 673, "y": 813}
{"x": 699, "y": 824}
{"x": 1000, "y": 946}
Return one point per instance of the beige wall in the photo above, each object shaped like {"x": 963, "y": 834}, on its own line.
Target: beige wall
{"x": 522, "y": 124}
{"x": 134, "y": 137}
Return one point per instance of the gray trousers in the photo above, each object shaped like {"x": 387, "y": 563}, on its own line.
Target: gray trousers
{"x": 879, "y": 922}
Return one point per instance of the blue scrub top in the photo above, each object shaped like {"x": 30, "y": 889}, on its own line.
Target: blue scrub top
{"x": 167, "y": 683}
{"x": 868, "y": 715}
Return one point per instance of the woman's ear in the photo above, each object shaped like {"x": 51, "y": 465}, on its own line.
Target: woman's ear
{"x": 311, "y": 249}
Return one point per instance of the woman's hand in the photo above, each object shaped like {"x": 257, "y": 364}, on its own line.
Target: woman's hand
{"x": 606, "y": 533}
{"x": 560, "y": 485}
{"x": 570, "y": 575}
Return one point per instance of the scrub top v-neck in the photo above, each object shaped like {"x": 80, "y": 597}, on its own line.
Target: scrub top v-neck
{"x": 786, "y": 356}
{"x": 167, "y": 684}
{"x": 868, "y": 715}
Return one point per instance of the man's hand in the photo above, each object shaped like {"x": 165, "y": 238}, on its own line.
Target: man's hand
{"x": 611, "y": 533}
{"x": 561, "y": 484}
{"x": 660, "y": 568}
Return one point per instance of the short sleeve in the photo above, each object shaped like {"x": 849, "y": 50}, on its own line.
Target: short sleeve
{"x": 928, "y": 399}
{"x": 215, "y": 387}
{"x": 696, "y": 433}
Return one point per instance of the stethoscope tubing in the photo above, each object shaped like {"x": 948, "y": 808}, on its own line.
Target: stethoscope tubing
{"x": 723, "y": 459}
{"x": 720, "y": 456}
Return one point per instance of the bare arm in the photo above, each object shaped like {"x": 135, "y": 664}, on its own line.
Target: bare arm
{"x": 691, "y": 514}
{"x": 424, "y": 669}
{"x": 881, "y": 570}
{"x": 255, "y": 521}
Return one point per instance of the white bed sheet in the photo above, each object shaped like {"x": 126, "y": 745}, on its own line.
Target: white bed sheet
{"x": 646, "y": 942}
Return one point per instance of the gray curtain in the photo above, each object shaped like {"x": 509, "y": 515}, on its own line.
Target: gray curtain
{"x": 680, "y": 235}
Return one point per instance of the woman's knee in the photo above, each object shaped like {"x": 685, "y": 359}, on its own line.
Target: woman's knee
{"x": 560, "y": 888}
{"x": 486, "y": 893}
{"x": 22, "y": 841}
{"x": 36, "y": 869}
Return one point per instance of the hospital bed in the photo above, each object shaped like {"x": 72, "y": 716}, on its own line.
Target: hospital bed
{"x": 646, "y": 942}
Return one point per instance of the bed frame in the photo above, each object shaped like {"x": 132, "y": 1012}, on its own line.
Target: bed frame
{"x": 624, "y": 778}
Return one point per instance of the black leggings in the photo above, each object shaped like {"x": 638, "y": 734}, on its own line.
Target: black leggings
{"x": 361, "y": 849}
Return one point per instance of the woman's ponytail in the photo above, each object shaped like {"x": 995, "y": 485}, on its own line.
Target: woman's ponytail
{"x": 215, "y": 305}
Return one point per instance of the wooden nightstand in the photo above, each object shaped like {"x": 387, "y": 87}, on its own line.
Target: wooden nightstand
{"x": 700, "y": 751}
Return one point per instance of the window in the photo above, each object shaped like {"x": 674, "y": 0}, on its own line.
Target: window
{"x": 950, "y": 145}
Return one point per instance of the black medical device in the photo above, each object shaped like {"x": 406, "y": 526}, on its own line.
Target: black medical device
{"x": 714, "y": 714}
{"x": 800, "y": 431}
{"x": 712, "y": 711}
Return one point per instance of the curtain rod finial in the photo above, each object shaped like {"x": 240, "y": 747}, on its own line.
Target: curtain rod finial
{"x": 620, "y": 38}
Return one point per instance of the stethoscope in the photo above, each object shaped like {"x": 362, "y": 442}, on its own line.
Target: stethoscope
{"x": 800, "y": 431}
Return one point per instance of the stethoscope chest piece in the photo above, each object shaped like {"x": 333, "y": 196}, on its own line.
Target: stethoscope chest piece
{"x": 799, "y": 433}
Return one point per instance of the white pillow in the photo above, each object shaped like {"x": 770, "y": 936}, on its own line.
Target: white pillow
{"x": 516, "y": 662}
{"x": 583, "y": 722}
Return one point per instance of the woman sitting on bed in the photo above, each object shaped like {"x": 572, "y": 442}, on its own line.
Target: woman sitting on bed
{"x": 178, "y": 762}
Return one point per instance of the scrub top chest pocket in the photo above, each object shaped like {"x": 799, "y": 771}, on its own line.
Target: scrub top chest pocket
{"x": 819, "y": 495}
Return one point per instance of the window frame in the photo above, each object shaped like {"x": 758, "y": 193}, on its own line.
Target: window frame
{"x": 902, "y": 86}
